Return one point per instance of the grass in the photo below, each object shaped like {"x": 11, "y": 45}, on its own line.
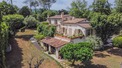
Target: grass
{"x": 23, "y": 51}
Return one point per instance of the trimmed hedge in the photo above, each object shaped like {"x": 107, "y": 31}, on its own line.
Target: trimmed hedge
{"x": 117, "y": 41}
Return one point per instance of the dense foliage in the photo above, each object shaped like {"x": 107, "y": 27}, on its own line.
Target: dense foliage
{"x": 46, "y": 29}
{"x": 79, "y": 9}
{"x": 101, "y": 6}
{"x": 14, "y": 21}
{"x": 106, "y": 25}
{"x": 6, "y": 8}
{"x": 30, "y": 22}
{"x": 117, "y": 41}
{"x": 73, "y": 52}
{"x": 25, "y": 11}
{"x": 118, "y": 6}
{"x": 3, "y": 43}
{"x": 47, "y": 13}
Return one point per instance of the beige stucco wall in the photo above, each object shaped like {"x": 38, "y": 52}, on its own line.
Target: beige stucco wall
{"x": 74, "y": 27}
{"x": 53, "y": 21}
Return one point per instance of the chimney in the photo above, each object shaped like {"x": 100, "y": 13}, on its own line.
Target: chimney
{"x": 62, "y": 14}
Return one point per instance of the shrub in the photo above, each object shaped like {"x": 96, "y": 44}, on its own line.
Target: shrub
{"x": 30, "y": 22}
{"x": 96, "y": 42}
{"x": 117, "y": 41}
{"x": 39, "y": 37}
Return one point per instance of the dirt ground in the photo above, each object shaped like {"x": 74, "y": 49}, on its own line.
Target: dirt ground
{"x": 23, "y": 51}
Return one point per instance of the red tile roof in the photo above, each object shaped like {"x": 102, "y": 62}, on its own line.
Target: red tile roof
{"x": 85, "y": 25}
{"x": 54, "y": 42}
{"x": 75, "y": 20}
{"x": 59, "y": 16}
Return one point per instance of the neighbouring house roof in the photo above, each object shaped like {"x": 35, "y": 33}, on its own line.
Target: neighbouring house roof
{"x": 54, "y": 42}
{"x": 85, "y": 25}
{"x": 59, "y": 16}
{"x": 74, "y": 21}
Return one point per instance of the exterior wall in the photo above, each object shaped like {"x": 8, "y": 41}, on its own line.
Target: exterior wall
{"x": 52, "y": 21}
{"x": 73, "y": 27}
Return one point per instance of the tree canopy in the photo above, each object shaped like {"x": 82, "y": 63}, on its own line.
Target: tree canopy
{"x": 79, "y": 9}
{"x": 101, "y": 6}
{"x": 118, "y": 5}
{"x": 6, "y": 8}
{"x": 25, "y": 11}
{"x": 73, "y": 52}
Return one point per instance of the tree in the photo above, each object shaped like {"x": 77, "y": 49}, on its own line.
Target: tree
{"x": 46, "y": 3}
{"x": 3, "y": 43}
{"x": 35, "y": 4}
{"x": 47, "y": 13}
{"x": 25, "y": 11}
{"x": 30, "y": 22}
{"x": 7, "y": 8}
{"x": 14, "y": 21}
{"x": 74, "y": 52}
{"x": 106, "y": 25}
{"x": 46, "y": 29}
{"x": 79, "y": 9}
{"x": 101, "y": 6}
{"x": 29, "y": 2}
{"x": 118, "y": 6}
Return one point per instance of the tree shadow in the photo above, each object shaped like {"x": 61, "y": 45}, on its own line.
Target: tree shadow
{"x": 101, "y": 55}
{"x": 14, "y": 58}
{"x": 89, "y": 64}
{"x": 24, "y": 37}
{"x": 115, "y": 51}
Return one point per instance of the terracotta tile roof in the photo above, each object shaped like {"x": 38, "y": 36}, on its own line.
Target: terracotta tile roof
{"x": 85, "y": 25}
{"x": 73, "y": 21}
{"x": 54, "y": 42}
{"x": 59, "y": 16}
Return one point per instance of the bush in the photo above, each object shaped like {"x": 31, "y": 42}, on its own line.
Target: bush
{"x": 39, "y": 37}
{"x": 117, "y": 41}
{"x": 96, "y": 42}
{"x": 30, "y": 22}
{"x": 14, "y": 21}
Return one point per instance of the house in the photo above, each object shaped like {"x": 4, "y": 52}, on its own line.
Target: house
{"x": 68, "y": 29}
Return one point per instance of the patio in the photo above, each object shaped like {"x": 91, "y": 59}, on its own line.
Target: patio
{"x": 53, "y": 45}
